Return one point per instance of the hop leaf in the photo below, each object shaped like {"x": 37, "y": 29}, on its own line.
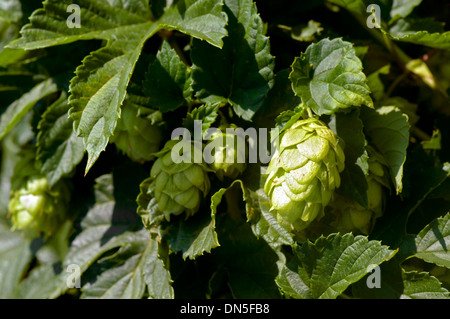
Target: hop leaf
{"x": 329, "y": 77}
{"x": 179, "y": 180}
{"x": 304, "y": 172}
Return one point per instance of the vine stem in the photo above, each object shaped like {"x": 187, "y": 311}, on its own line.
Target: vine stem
{"x": 420, "y": 134}
{"x": 309, "y": 111}
{"x": 396, "y": 82}
{"x": 418, "y": 67}
{"x": 402, "y": 58}
{"x": 407, "y": 63}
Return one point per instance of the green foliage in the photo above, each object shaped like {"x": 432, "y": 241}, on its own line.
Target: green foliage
{"x": 59, "y": 149}
{"x": 241, "y": 73}
{"x": 167, "y": 82}
{"x": 325, "y": 268}
{"x": 119, "y": 179}
{"x": 329, "y": 77}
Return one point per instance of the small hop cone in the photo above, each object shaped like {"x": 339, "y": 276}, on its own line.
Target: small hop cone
{"x": 180, "y": 181}
{"x": 229, "y": 154}
{"x": 36, "y": 208}
{"x": 351, "y": 216}
{"x": 303, "y": 173}
{"x": 135, "y": 136}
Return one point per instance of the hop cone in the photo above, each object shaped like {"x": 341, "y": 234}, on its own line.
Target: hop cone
{"x": 136, "y": 136}
{"x": 34, "y": 206}
{"x": 179, "y": 185}
{"x": 229, "y": 154}
{"x": 303, "y": 173}
{"x": 351, "y": 216}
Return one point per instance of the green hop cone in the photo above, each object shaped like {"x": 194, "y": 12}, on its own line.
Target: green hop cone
{"x": 303, "y": 173}
{"x": 34, "y": 206}
{"x": 136, "y": 136}
{"x": 228, "y": 152}
{"x": 179, "y": 178}
{"x": 351, "y": 216}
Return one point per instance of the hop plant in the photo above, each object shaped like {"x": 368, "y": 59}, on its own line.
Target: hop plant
{"x": 351, "y": 216}
{"x": 229, "y": 154}
{"x": 34, "y": 206}
{"x": 180, "y": 180}
{"x": 136, "y": 136}
{"x": 303, "y": 173}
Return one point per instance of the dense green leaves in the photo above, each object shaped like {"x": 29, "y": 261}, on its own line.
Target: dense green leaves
{"x": 156, "y": 273}
{"x": 195, "y": 236}
{"x": 100, "y": 233}
{"x": 251, "y": 267}
{"x": 101, "y": 81}
{"x": 434, "y": 40}
{"x": 48, "y": 25}
{"x": 392, "y": 228}
{"x": 399, "y": 9}
{"x": 43, "y": 282}
{"x": 324, "y": 269}
{"x": 431, "y": 243}
{"x": 15, "y": 254}
{"x": 279, "y": 99}
{"x": 99, "y": 88}
{"x": 329, "y": 77}
{"x": 397, "y": 283}
{"x": 109, "y": 225}
{"x": 245, "y": 82}
{"x": 59, "y": 149}
{"x": 126, "y": 278}
{"x": 86, "y": 82}
{"x": 167, "y": 82}
{"x": 422, "y": 286}
{"x": 19, "y": 108}
{"x": 202, "y": 19}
